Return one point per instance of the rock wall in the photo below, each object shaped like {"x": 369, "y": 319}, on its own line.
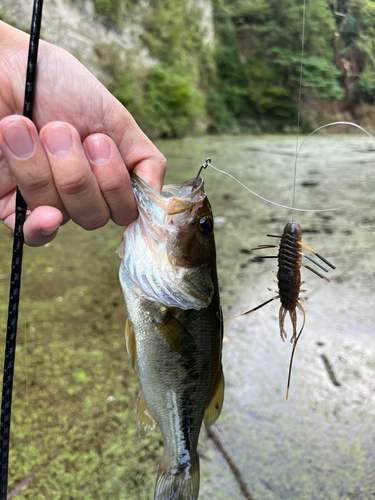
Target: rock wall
{"x": 207, "y": 18}
{"x": 76, "y": 27}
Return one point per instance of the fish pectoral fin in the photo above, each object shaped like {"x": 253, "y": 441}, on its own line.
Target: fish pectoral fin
{"x": 176, "y": 335}
{"x": 145, "y": 421}
{"x": 213, "y": 410}
{"x": 130, "y": 342}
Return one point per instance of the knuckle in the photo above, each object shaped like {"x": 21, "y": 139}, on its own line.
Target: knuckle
{"x": 41, "y": 184}
{"x": 74, "y": 184}
{"x": 92, "y": 221}
{"x": 110, "y": 187}
{"x": 124, "y": 218}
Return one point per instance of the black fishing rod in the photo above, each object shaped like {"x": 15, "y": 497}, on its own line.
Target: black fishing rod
{"x": 15, "y": 281}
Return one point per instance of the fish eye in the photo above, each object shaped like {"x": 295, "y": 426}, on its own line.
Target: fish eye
{"x": 205, "y": 226}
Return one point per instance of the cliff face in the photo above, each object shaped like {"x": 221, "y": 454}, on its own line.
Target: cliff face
{"x": 155, "y": 56}
{"x": 78, "y": 28}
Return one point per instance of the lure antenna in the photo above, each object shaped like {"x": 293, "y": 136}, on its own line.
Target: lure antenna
{"x": 293, "y": 350}
{"x": 204, "y": 166}
{"x": 15, "y": 284}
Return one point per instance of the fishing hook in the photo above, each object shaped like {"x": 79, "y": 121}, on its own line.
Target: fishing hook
{"x": 204, "y": 166}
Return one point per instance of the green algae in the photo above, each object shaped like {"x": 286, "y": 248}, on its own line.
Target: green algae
{"x": 75, "y": 395}
{"x": 74, "y": 403}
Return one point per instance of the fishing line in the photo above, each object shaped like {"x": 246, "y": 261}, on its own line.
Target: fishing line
{"x": 209, "y": 164}
{"x": 299, "y": 105}
{"x": 15, "y": 284}
{"x": 331, "y": 125}
{"x": 265, "y": 199}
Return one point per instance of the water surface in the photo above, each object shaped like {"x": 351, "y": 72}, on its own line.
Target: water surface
{"x": 75, "y": 395}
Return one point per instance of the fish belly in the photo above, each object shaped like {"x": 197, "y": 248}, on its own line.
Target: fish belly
{"x": 178, "y": 360}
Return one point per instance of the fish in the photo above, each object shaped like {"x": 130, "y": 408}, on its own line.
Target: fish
{"x": 174, "y": 330}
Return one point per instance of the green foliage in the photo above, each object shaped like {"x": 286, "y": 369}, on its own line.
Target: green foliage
{"x": 109, "y": 8}
{"x": 113, "y": 10}
{"x": 174, "y": 35}
{"x": 259, "y": 57}
{"x": 164, "y": 103}
{"x": 357, "y": 44}
{"x": 319, "y": 76}
{"x": 173, "y": 105}
{"x": 168, "y": 98}
{"x": 222, "y": 121}
{"x": 71, "y": 358}
{"x": 250, "y": 79}
{"x": 228, "y": 103}
{"x": 163, "y": 99}
{"x": 365, "y": 88}
{"x": 349, "y": 32}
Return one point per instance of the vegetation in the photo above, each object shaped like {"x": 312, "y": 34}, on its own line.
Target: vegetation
{"x": 259, "y": 59}
{"x": 114, "y": 11}
{"x": 356, "y": 48}
{"x": 74, "y": 403}
{"x": 166, "y": 98}
{"x": 249, "y": 79}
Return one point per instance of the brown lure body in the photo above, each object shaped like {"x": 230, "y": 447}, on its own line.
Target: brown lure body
{"x": 289, "y": 280}
{"x": 289, "y": 276}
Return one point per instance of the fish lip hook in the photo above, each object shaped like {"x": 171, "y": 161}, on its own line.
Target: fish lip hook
{"x": 203, "y": 167}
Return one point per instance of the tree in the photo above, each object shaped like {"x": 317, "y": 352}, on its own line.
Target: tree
{"x": 259, "y": 56}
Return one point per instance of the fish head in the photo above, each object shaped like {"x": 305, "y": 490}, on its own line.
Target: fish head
{"x": 178, "y": 221}
{"x": 189, "y": 219}
{"x": 169, "y": 251}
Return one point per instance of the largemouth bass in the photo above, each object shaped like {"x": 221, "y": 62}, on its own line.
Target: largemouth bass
{"x": 174, "y": 329}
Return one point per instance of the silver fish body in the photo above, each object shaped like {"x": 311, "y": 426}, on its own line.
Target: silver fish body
{"x": 169, "y": 280}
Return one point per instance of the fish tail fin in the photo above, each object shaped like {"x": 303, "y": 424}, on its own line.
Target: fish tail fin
{"x": 177, "y": 483}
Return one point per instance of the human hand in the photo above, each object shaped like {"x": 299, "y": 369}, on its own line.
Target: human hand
{"x": 78, "y": 166}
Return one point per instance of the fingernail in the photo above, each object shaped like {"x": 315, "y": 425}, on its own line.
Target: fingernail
{"x": 18, "y": 139}
{"x": 58, "y": 140}
{"x": 49, "y": 232}
{"x": 98, "y": 149}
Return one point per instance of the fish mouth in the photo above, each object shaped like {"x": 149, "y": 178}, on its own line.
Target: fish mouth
{"x": 161, "y": 213}
{"x": 174, "y": 198}
{"x": 147, "y": 251}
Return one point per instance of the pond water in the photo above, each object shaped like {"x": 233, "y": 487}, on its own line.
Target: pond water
{"x": 75, "y": 395}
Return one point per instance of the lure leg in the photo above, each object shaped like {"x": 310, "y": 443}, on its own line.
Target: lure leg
{"x": 282, "y": 314}
{"x": 255, "y": 308}
{"x": 293, "y": 317}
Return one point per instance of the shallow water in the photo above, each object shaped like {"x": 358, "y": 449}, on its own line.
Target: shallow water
{"x": 321, "y": 443}
{"x": 74, "y": 409}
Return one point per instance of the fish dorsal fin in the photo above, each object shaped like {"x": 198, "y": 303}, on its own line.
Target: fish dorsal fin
{"x": 176, "y": 335}
{"x": 145, "y": 421}
{"x": 130, "y": 342}
{"x": 213, "y": 410}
